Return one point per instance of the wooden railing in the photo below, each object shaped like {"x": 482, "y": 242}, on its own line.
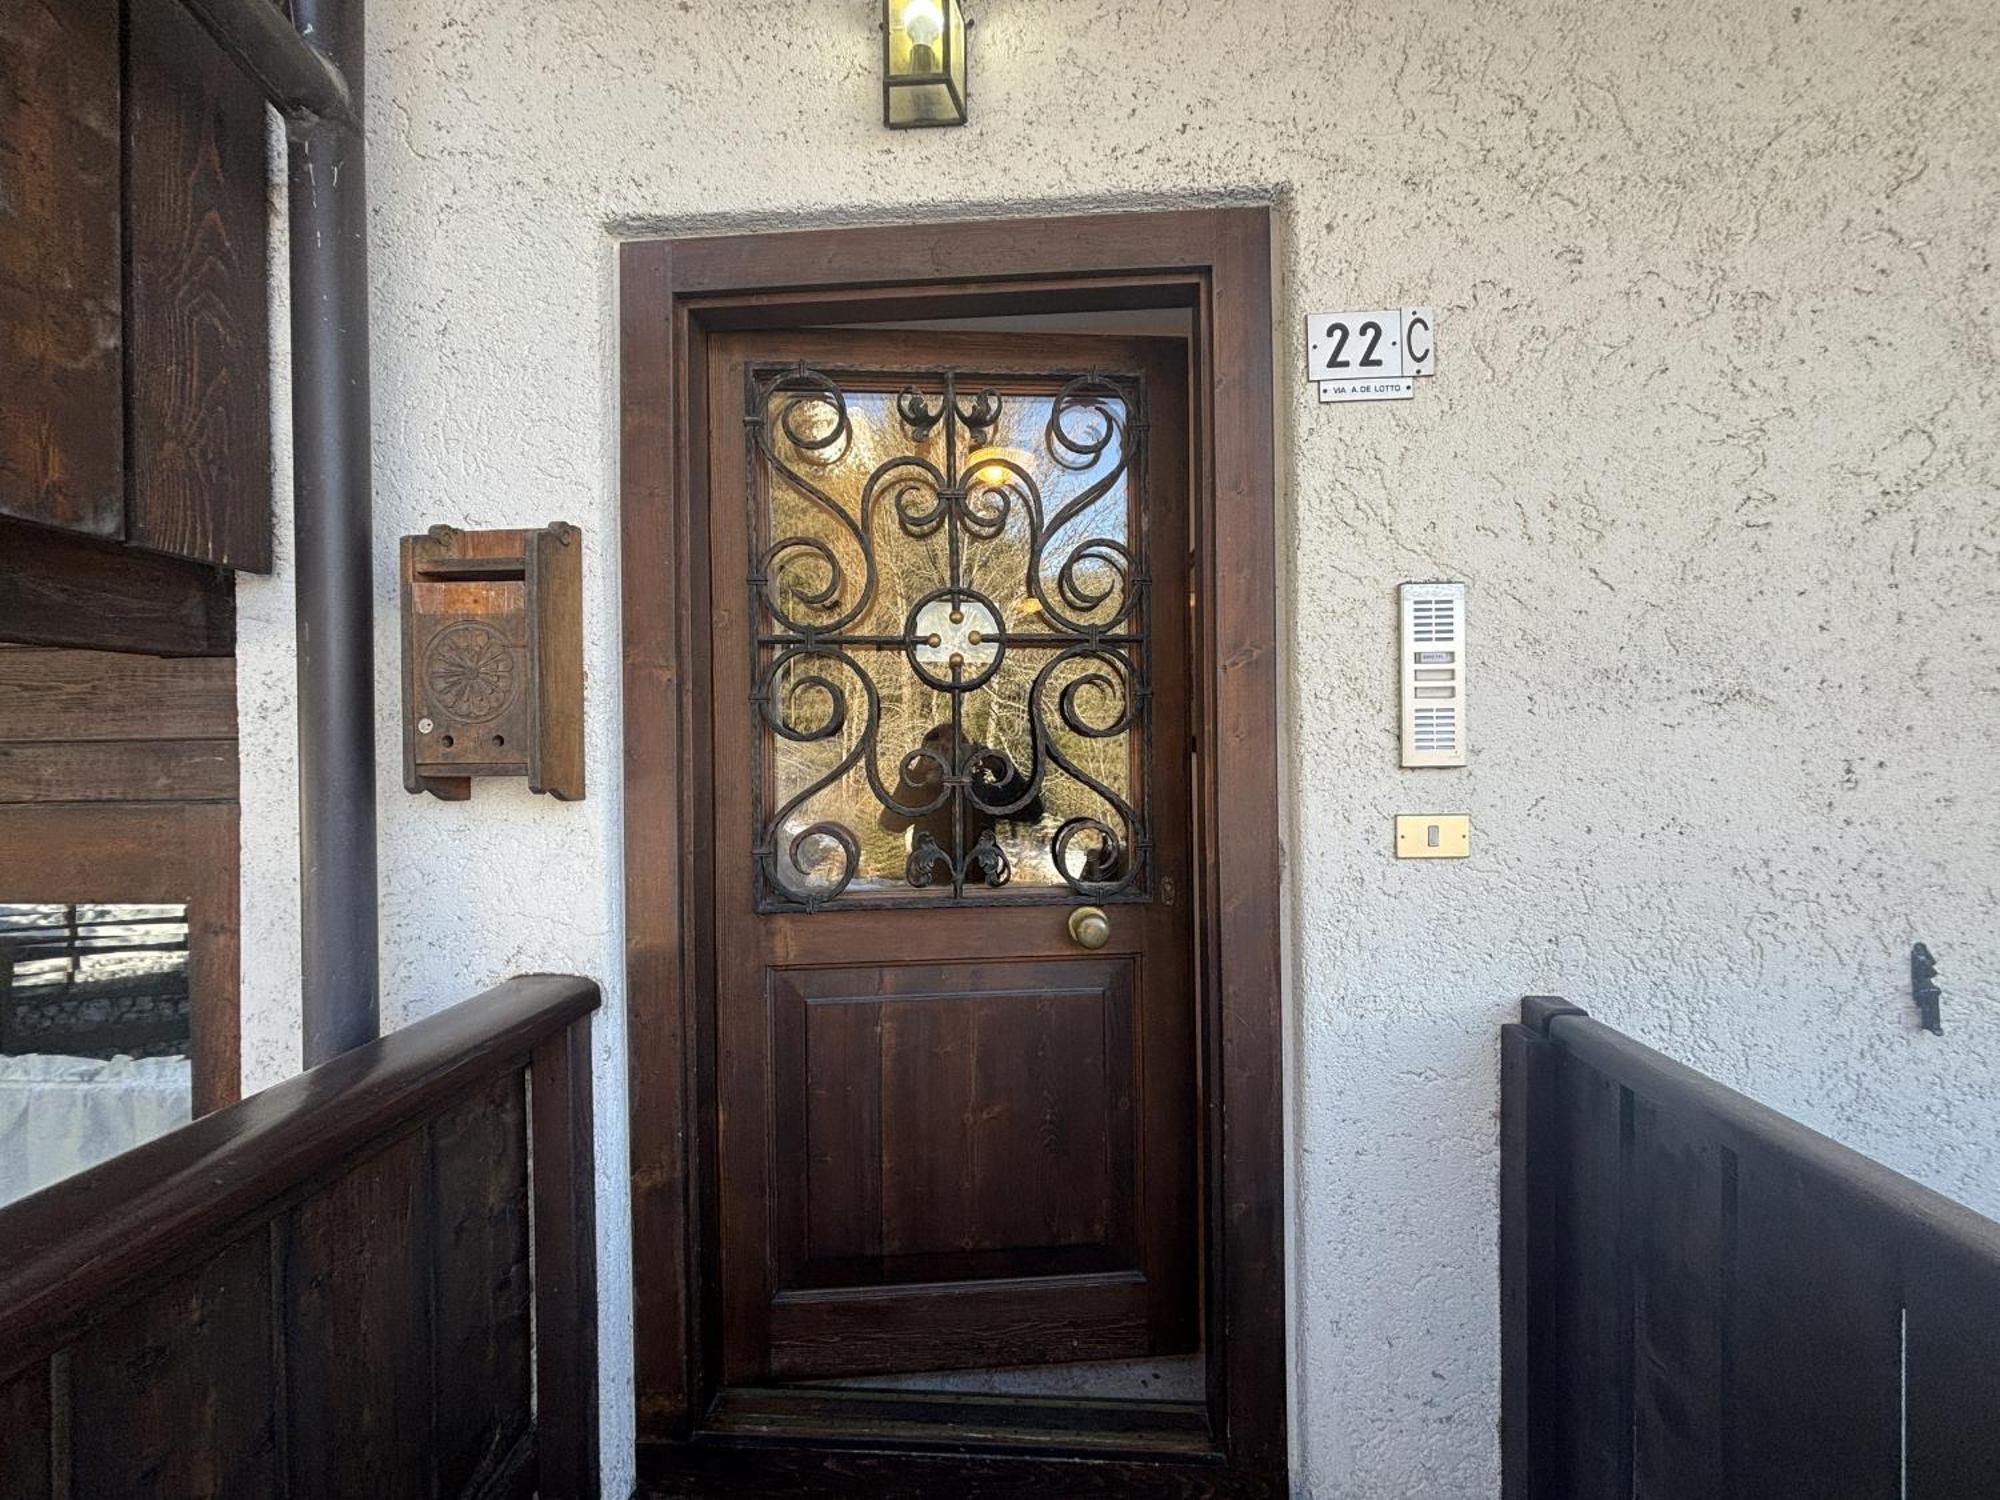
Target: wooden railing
{"x": 374, "y": 1280}
{"x": 1703, "y": 1298}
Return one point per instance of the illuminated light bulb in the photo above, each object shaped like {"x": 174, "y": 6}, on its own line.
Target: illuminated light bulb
{"x": 995, "y": 475}
{"x": 923, "y": 24}
{"x": 923, "y": 21}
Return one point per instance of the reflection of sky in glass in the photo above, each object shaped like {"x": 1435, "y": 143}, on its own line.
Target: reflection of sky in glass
{"x": 999, "y": 568}
{"x": 995, "y": 566}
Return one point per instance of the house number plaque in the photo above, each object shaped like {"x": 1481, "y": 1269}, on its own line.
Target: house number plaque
{"x": 1370, "y": 356}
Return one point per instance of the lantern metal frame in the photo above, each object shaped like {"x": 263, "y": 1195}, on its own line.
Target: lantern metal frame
{"x": 958, "y": 31}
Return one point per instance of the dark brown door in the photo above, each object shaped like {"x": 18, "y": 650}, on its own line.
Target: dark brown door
{"x": 950, "y": 590}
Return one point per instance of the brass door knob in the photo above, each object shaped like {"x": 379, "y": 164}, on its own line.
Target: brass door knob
{"x": 1089, "y": 927}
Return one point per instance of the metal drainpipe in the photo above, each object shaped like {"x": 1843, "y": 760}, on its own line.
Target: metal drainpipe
{"x": 332, "y": 506}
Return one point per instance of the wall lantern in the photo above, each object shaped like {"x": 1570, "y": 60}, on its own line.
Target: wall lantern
{"x": 923, "y": 63}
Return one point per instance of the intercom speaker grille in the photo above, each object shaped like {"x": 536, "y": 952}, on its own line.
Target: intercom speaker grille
{"x": 1432, "y": 651}
{"x": 1437, "y": 729}
{"x": 1434, "y": 622}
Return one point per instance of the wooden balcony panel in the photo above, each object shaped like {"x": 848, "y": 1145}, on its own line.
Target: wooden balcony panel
{"x": 1701, "y": 1296}
{"x": 327, "y": 1289}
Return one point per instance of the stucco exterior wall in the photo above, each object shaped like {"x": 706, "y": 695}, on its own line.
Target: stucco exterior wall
{"x": 1712, "y": 440}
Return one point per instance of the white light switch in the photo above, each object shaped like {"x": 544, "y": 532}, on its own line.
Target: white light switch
{"x": 1432, "y": 652}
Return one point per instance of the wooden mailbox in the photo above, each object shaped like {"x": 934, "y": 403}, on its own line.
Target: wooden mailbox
{"x": 493, "y": 659}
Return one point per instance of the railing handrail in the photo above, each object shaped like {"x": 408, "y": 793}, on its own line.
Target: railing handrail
{"x": 75, "y": 1250}
{"x": 1871, "y": 1188}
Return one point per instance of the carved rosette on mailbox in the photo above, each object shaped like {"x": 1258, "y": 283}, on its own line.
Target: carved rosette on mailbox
{"x": 493, "y": 659}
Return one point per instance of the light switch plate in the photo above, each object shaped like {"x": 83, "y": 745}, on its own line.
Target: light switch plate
{"x": 1433, "y": 835}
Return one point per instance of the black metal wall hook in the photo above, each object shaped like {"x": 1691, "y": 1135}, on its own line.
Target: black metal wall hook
{"x": 1924, "y": 989}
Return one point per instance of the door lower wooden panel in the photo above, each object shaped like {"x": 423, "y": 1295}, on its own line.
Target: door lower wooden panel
{"x": 952, "y": 1110}
{"x": 962, "y": 1162}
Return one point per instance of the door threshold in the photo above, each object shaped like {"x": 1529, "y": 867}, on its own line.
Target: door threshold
{"x": 722, "y": 1468}
{"x": 949, "y": 1420}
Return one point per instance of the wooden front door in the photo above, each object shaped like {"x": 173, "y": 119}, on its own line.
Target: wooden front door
{"x": 949, "y": 576}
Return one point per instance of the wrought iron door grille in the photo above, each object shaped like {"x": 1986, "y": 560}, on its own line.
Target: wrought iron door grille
{"x": 950, "y": 648}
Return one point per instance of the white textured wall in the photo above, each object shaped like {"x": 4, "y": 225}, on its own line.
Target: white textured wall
{"x": 1713, "y": 441}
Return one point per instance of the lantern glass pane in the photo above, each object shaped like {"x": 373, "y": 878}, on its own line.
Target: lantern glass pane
{"x": 923, "y": 104}
{"x": 955, "y": 37}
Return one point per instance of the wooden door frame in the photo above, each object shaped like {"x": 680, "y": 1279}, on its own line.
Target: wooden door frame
{"x": 672, "y": 294}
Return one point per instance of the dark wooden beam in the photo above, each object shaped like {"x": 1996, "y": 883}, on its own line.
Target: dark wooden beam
{"x": 58, "y": 590}
{"x": 61, "y": 437}
{"x": 53, "y": 696}
{"x": 119, "y": 771}
{"x": 197, "y": 322}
